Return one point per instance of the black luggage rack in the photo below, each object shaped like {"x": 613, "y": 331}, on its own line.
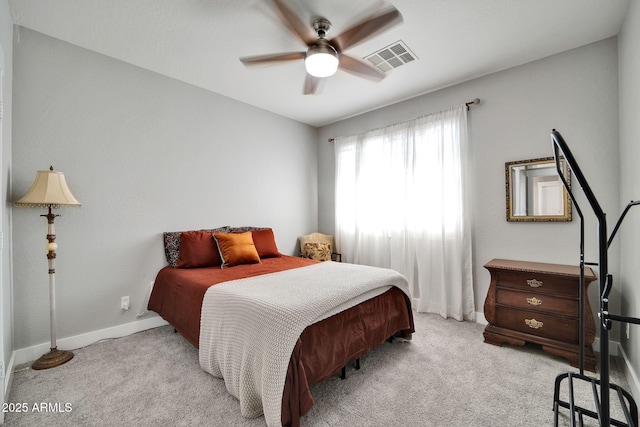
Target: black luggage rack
{"x": 601, "y": 402}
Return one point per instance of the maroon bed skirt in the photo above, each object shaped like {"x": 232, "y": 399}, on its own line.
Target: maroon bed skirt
{"x": 325, "y": 347}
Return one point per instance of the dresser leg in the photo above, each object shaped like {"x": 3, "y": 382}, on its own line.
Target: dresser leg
{"x": 574, "y": 356}
{"x": 492, "y": 337}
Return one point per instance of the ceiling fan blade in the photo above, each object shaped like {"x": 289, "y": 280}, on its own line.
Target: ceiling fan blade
{"x": 371, "y": 26}
{"x": 360, "y": 68}
{"x": 293, "y": 23}
{"x": 275, "y": 57}
{"x": 311, "y": 84}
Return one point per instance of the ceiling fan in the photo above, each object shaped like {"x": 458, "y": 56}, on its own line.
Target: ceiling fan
{"x": 323, "y": 57}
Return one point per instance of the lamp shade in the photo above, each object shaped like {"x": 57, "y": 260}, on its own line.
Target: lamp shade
{"x": 48, "y": 190}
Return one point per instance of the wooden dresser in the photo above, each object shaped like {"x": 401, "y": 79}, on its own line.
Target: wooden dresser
{"x": 538, "y": 303}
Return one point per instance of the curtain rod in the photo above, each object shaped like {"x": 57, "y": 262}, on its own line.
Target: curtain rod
{"x": 468, "y": 104}
{"x": 474, "y": 102}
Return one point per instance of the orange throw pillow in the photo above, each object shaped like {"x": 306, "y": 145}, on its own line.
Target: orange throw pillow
{"x": 265, "y": 243}
{"x": 236, "y": 249}
{"x": 198, "y": 249}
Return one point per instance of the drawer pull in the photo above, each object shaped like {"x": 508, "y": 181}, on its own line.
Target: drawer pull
{"x": 534, "y": 301}
{"x": 534, "y": 283}
{"x": 533, "y": 323}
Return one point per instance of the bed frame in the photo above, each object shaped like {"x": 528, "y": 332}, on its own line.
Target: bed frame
{"x": 602, "y": 402}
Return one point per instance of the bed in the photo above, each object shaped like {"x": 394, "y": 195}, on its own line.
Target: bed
{"x": 193, "y": 294}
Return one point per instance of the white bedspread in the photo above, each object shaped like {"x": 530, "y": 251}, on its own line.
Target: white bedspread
{"x": 249, "y": 327}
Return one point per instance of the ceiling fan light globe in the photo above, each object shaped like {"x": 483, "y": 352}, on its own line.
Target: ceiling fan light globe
{"x": 321, "y": 64}
{"x": 321, "y": 59}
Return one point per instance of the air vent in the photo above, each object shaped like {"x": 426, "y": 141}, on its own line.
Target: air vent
{"x": 392, "y": 56}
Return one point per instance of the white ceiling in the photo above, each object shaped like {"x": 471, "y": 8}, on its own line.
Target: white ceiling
{"x": 200, "y": 41}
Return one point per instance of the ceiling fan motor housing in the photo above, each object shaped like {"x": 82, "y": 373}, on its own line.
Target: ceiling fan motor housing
{"x": 322, "y": 27}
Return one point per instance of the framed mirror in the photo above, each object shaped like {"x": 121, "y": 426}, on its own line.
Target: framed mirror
{"x": 535, "y": 191}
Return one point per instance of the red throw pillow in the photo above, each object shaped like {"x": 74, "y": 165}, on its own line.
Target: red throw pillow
{"x": 198, "y": 249}
{"x": 265, "y": 243}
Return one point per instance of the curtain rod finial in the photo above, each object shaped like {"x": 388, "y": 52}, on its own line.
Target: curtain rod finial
{"x": 470, "y": 103}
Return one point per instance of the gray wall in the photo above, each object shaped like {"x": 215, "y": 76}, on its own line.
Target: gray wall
{"x": 629, "y": 44}
{"x": 6, "y": 297}
{"x": 575, "y": 92}
{"x": 143, "y": 154}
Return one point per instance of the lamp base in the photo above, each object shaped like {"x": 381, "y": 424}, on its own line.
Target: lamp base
{"x": 52, "y": 359}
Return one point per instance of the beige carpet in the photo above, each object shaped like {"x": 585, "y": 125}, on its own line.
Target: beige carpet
{"x": 446, "y": 376}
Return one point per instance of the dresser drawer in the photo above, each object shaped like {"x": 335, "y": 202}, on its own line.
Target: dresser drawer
{"x": 537, "y": 302}
{"x": 540, "y": 283}
{"x": 536, "y": 323}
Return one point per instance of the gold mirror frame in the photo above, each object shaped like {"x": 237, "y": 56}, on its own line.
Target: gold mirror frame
{"x": 520, "y": 175}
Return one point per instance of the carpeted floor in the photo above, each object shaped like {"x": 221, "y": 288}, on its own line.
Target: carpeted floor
{"x": 445, "y": 376}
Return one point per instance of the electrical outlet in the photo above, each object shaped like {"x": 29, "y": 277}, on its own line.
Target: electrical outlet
{"x": 124, "y": 303}
{"x": 627, "y": 330}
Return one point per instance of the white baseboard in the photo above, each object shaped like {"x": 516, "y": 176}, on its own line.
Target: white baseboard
{"x": 28, "y": 354}
{"x": 8, "y": 378}
{"x": 632, "y": 375}
{"x": 614, "y": 347}
{"x": 480, "y": 318}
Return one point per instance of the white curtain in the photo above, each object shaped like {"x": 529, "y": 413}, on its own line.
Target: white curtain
{"x": 401, "y": 204}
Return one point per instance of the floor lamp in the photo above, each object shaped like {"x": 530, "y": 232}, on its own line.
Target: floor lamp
{"x": 50, "y": 190}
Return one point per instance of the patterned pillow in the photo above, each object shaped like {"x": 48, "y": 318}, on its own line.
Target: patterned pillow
{"x": 172, "y": 243}
{"x": 317, "y": 251}
{"x": 245, "y": 229}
